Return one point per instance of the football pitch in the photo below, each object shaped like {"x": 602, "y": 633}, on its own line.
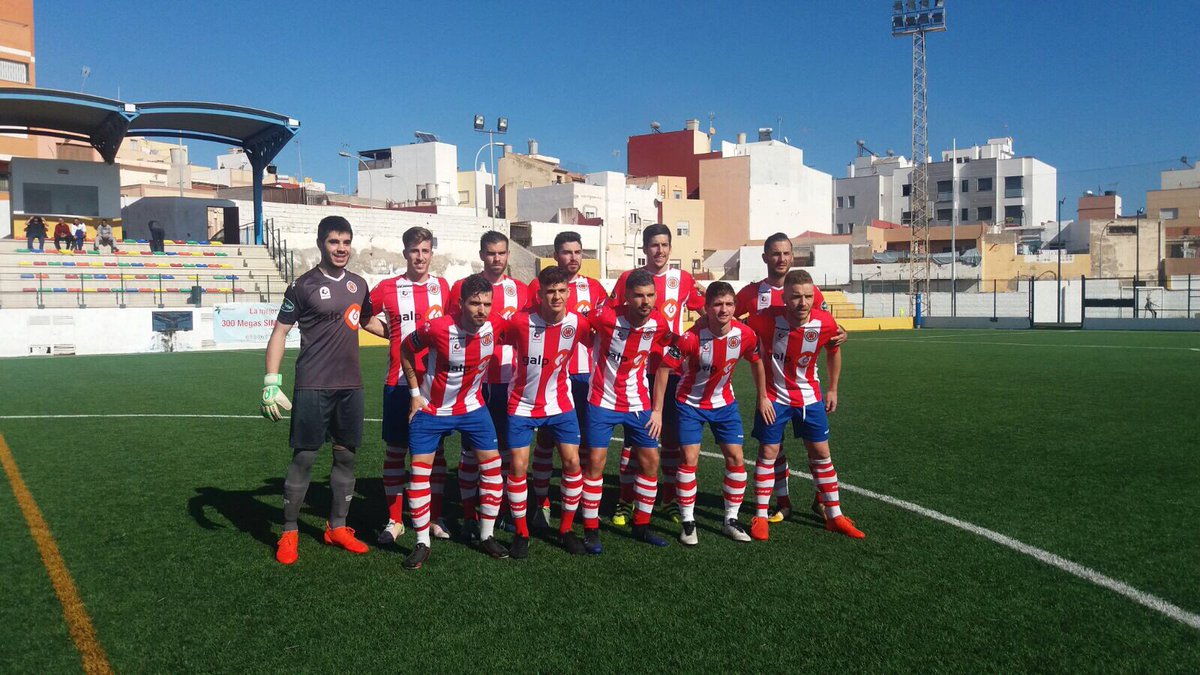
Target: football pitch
{"x": 1031, "y": 501}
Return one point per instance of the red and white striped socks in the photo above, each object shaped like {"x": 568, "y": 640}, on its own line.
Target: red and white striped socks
{"x": 782, "y": 473}
{"x": 735, "y": 489}
{"x": 645, "y": 492}
{"x": 764, "y": 484}
{"x": 491, "y": 493}
{"x": 593, "y": 490}
{"x": 572, "y": 494}
{"x": 518, "y": 500}
{"x": 418, "y": 499}
{"x": 827, "y": 485}
{"x": 685, "y": 491}
{"x": 394, "y": 478}
{"x": 670, "y": 459}
{"x": 628, "y": 472}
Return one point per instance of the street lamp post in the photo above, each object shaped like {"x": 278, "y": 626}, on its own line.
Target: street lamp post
{"x": 1137, "y": 257}
{"x": 501, "y": 128}
{"x": 1059, "y": 274}
{"x": 370, "y": 180}
{"x": 475, "y": 167}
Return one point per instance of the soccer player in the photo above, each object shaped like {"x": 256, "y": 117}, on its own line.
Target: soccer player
{"x": 544, "y": 342}
{"x": 760, "y": 296}
{"x": 328, "y": 302}
{"x": 622, "y": 346}
{"x": 448, "y": 399}
{"x": 676, "y": 291}
{"x": 405, "y": 303}
{"x": 706, "y": 356}
{"x": 790, "y": 339}
{"x": 584, "y": 296}
{"x": 508, "y": 297}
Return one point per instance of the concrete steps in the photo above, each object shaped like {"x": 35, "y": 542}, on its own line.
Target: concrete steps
{"x": 840, "y": 306}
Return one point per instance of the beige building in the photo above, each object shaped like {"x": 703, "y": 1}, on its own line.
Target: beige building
{"x": 684, "y": 216}
{"x": 1002, "y": 261}
{"x": 517, "y": 172}
{"x": 1117, "y": 252}
{"x": 1177, "y": 206}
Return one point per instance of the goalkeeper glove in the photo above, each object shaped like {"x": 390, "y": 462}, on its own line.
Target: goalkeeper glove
{"x": 273, "y": 398}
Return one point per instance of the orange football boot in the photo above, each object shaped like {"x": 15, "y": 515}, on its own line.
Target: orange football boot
{"x": 759, "y": 528}
{"x": 843, "y": 525}
{"x": 344, "y": 537}
{"x": 286, "y": 552}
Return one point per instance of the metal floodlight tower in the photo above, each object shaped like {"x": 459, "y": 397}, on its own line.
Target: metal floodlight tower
{"x": 916, "y": 18}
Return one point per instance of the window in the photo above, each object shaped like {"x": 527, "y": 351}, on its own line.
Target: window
{"x": 640, "y": 261}
{"x": 983, "y": 213}
{"x": 14, "y": 71}
{"x": 683, "y": 228}
{"x": 850, "y": 202}
{"x": 984, "y": 184}
{"x": 4, "y": 182}
{"x": 464, "y": 197}
{"x": 964, "y": 215}
{"x": 944, "y": 215}
{"x": 906, "y": 218}
{"x": 1014, "y": 186}
{"x": 677, "y": 194}
{"x": 964, "y": 185}
{"x": 839, "y": 202}
{"x": 945, "y": 190}
{"x": 906, "y": 190}
{"x": 590, "y": 212}
{"x": 674, "y": 264}
{"x": 1168, "y": 214}
{"x": 695, "y": 265}
{"x": 1012, "y": 215}
{"x": 634, "y": 217}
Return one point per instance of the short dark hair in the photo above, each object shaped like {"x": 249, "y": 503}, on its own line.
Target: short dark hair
{"x": 333, "y": 224}
{"x": 637, "y": 279}
{"x": 566, "y": 237}
{"x": 472, "y": 286}
{"x": 653, "y": 231}
{"x": 718, "y": 289}
{"x": 552, "y": 275}
{"x": 775, "y": 239}
{"x": 415, "y": 235}
{"x": 492, "y": 237}
{"x": 797, "y": 277}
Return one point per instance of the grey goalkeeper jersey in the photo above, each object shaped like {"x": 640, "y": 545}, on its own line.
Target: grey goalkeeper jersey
{"x": 330, "y": 311}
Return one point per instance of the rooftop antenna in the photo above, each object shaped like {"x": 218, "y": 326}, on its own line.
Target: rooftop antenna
{"x": 85, "y": 71}
{"x": 1184, "y": 159}
{"x": 712, "y": 131}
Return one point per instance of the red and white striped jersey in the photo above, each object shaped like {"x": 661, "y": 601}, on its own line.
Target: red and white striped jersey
{"x": 676, "y": 290}
{"x": 539, "y": 386}
{"x": 585, "y": 295}
{"x": 454, "y": 364}
{"x": 406, "y": 306}
{"x": 756, "y": 297}
{"x": 792, "y": 355}
{"x": 509, "y": 296}
{"x": 620, "y": 356}
{"x": 706, "y": 362}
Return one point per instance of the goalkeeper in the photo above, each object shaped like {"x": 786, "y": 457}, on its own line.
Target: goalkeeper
{"x": 329, "y": 303}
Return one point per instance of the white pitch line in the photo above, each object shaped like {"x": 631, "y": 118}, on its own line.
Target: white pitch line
{"x": 934, "y": 341}
{"x": 1086, "y": 573}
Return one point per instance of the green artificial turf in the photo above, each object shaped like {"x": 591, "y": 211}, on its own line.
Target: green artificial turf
{"x": 1079, "y": 443}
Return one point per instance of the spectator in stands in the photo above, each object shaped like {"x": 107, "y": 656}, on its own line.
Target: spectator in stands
{"x": 104, "y": 236}
{"x": 35, "y": 229}
{"x": 80, "y": 234}
{"x": 157, "y": 237}
{"x": 63, "y": 235}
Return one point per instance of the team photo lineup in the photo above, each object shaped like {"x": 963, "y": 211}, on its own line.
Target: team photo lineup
{"x": 524, "y": 372}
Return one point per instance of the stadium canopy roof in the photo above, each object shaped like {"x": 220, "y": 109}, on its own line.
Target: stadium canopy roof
{"x": 104, "y": 123}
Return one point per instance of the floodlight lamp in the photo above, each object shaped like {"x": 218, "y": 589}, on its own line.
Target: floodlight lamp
{"x": 924, "y": 4}
{"x": 502, "y": 125}
{"x": 479, "y": 123}
{"x": 939, "y": 3}
{"x": 911, "y": 4}
{"x": 897, "y": 6}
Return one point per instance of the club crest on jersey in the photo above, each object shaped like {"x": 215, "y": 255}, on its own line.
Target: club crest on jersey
{"x": 510, "y": 291}
{"x": 568, "y": 332}
{"x": 351, "y": 286}
{"x": 486, "y": 339}
{"x": 672, "y": 283}
{"x": 646, "y": 337}
{"x": 810, "y": 335}
{"x": 352, "y": 316}
{"x": 288, "y": 306}
{"x": 434, "y": 288}
{"x": 734, "y": 341}
{"x": 325, "y": 295}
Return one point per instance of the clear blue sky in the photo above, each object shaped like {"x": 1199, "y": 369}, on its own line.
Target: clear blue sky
{"x": 1109, "y": 93}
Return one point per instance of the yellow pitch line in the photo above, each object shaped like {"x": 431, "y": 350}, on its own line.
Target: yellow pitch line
{"x": 78, "y": 622}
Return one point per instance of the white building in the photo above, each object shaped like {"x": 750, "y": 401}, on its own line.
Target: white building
{"x": 422, "y": 172}
{"x": 625, "y": 210}
{"x": 982, "y": 183}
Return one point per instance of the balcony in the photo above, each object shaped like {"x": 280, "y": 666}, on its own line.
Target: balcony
{"x": 945, "y": 196}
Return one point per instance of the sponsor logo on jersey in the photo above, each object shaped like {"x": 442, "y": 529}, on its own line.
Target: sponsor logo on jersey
{"x": 583, "y": 307}
{"x": 764, "y": 300}
{"x": 621, "y": 335}
{"x": 670, "y": 308}
{"x": 536, "y": 335}
{"x": 352, "y": 315}
{"x": 434, "y": 312}
{"x": 325, "y": 295}
{"x": 568, "y": 332}
{"x": 351, "y": 286}
{"x": 288, "y": 306}
{"x": 706, "y": 346}
{"x": 810, "y": 335}
{"x": 456, "y": 345}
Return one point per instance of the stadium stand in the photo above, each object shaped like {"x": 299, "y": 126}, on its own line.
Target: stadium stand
{"x": 137, "y": 277}
{"x": 840, "y": 306}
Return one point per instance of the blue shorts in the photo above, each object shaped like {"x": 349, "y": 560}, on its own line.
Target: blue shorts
{"x": 496, "y": 397}
{"x": 427, "y": 430}
{"x": 563, "y": 428}
{"x": 601, "y": 421}
{"x": 808, "y": 423}
{"x": 725, "y": 423}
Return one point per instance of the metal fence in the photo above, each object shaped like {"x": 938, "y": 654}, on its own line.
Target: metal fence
{"x": 964, "y": 297}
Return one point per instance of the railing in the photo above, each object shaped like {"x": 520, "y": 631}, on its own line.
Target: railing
{"x": 284, "y": 258}
{"x": 165, "y": 289}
